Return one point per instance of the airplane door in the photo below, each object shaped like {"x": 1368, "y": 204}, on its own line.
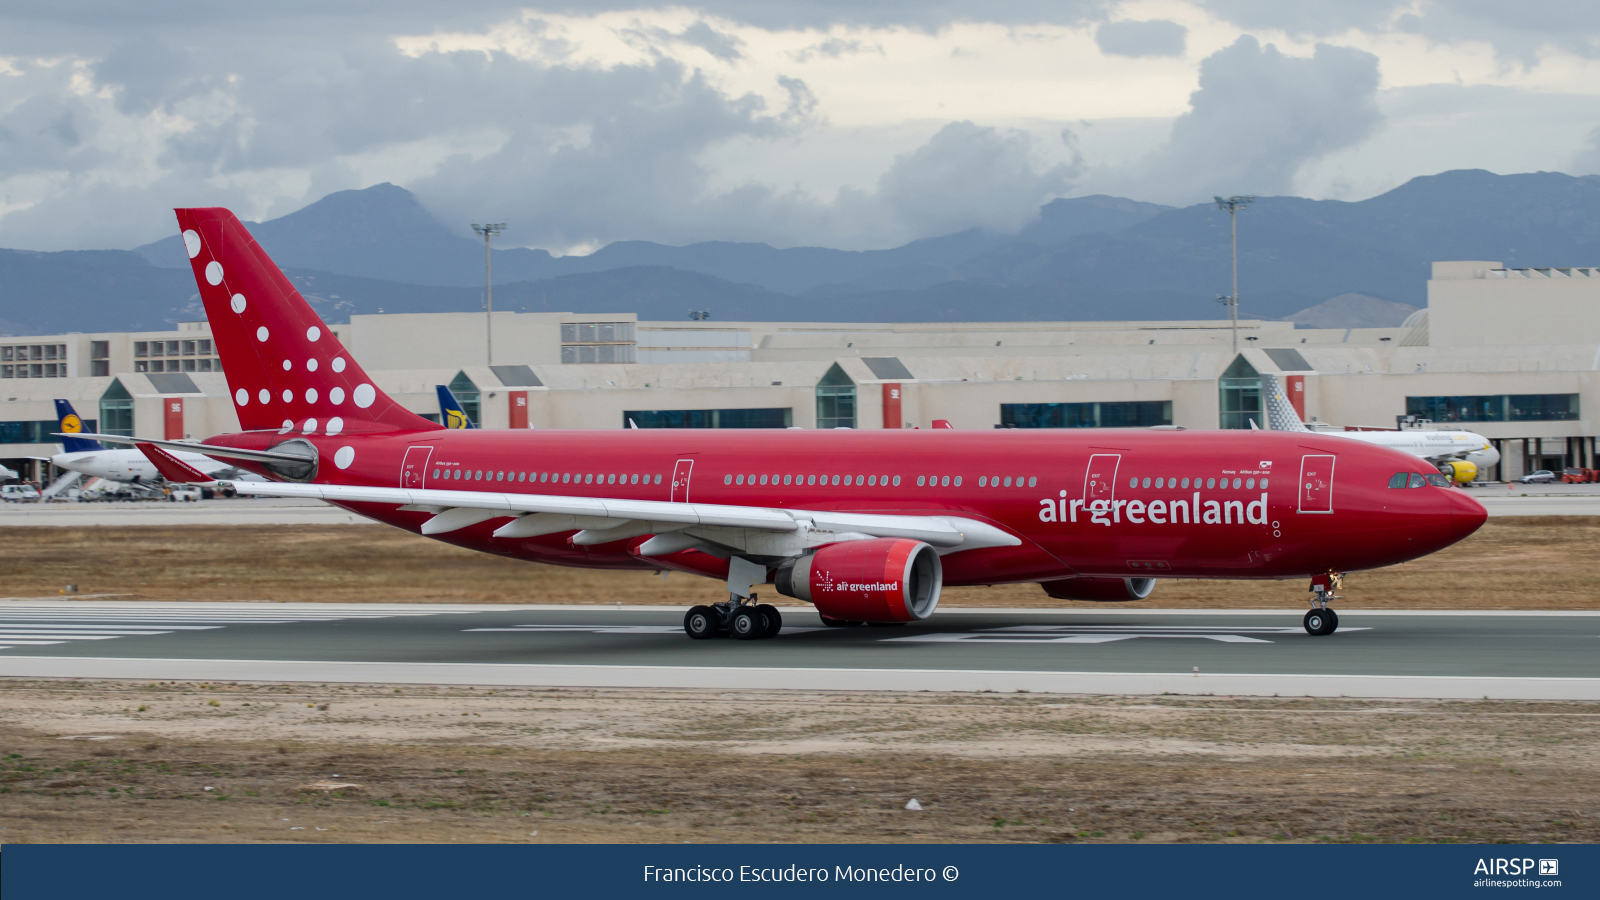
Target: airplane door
{"x": 1316, "y": 483}
{"x": 680, "y": 480}
{"x": 414, "y": 470}
{"x": 1100, "y": 481}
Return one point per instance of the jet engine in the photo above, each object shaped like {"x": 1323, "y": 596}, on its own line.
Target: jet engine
{"x": 880, "y": 580}
{"x": 1459, "y": 470}
{"x": 1102, "y": 589}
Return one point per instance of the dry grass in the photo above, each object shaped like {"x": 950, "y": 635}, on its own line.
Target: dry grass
{"x": 1537, "y": 562}
{"x": 441, "y": 764}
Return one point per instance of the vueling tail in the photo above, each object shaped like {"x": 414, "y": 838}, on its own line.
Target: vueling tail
{"x": 286, "y": 369}
{"x": 1280, "y": 412}
{"x": 450, "y": 410}
{"x": 70, "y": 424}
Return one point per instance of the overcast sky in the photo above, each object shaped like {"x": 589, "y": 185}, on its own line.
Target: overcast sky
{"x": 845, "y": 123}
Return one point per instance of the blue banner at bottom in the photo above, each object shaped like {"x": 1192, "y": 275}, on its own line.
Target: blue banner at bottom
{"x": 305, "y": 872}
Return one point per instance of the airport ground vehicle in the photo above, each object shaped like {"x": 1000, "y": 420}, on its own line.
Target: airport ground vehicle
{"x": 1543, "y": 476}
{"x": 14, "y": 492}
{"x": 865, "y": 525}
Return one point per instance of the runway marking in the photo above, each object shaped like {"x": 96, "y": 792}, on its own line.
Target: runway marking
{"x": 614, "y": 629}
{"x": 1103, "y": 634}
{"x": 40, "y": 626}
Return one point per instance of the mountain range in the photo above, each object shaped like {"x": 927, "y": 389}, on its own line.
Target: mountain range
{"x": 1084, "y": 258}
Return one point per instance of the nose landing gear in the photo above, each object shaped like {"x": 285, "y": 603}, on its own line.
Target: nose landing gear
{"x": 1322, "y": 620}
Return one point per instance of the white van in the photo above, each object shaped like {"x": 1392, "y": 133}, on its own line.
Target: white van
{"x": 12, "y": 492}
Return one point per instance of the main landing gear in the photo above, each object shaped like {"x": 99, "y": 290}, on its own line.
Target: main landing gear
{"x": 1321, "y": 619}
{"x": 736, "y": 618}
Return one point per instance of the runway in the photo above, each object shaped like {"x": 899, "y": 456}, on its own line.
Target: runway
{"x": 1549, "y": 655}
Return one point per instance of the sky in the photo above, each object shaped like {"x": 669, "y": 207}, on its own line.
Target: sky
{"x": 856, "y": 124}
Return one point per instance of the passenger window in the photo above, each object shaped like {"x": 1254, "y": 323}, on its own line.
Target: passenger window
{"x": 983, "y": 481}
{"x": 727, "y": 479}
{"x": 436, "y": 473}
{"x": 1146, "y": 483}
{"x": 1186, "y": 482}
{"x": 1250, "y": 482}
{"x": 763, "y": 479}
{"x": 658, "y": 479}
{"x": 945, "y": 481}
{"x": 1211, "y": 483}
{"x": 897, "y": 481}
{"x": 1417, "y": 480}
{"x": 741, "y": 479}
{"x": 1008, "y": 481}
{"x": 958, "y": 481}
{"x": 1263, "y": 484}
{"x": 588, "y": 479}
{"x": 787, "y": 479}
{"x": 872, "y": 480}
{"x": 811, "y": 479}
{"x": 1032, "y": 481}
{"x": 1236, "y": 484}
{"x": 1132, "y": 482}
{"x": 1397, "y": 480}
{"x": 1159, "y": 482}
{"x": 921, "y": 481}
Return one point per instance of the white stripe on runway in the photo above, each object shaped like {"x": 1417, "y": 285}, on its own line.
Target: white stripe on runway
{"x": 53, "y": 623}
{"x": 716, "y": 678}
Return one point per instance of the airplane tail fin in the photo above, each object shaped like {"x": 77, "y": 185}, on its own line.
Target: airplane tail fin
{"x": 287, "y": 371}
{"x": 70, "y": 424}
{"x": 450, "y": 411}
{"x": 1280, "y": 412}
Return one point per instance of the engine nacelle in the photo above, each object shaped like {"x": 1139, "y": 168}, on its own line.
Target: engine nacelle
{"x": 1460, "y": 471}
{"x": 1101, "y": 589}
{"x": 881, "y": 580}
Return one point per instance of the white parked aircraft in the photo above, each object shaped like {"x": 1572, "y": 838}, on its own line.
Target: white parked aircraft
{"x": 8, "y": 474}
{"x": 127, "y": 465}
{"x": 1460, "y": 454}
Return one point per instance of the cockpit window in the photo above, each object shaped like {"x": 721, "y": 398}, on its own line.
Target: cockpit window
{"x": 1417, "y": 480}
{"x": 1438, "y": 480}
{"x": 1397, "y": 480}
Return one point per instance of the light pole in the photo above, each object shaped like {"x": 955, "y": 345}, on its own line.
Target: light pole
{"x": 1233, "y": 205}
{"x": 489, "y": 231}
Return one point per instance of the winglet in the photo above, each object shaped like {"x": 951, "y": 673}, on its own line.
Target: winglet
{"x": 172, "y": 468}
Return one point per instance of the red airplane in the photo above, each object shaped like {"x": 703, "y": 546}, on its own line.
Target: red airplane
{"x": 868, "y": 526}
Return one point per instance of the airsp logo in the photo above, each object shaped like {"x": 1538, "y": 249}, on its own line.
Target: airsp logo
{"x": 1501, "y": 866}
{"x": 72, "y": 424}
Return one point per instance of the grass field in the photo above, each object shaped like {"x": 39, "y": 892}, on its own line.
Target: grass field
{"x": 1538, "y": 562}
{"x": 86, "y": 761}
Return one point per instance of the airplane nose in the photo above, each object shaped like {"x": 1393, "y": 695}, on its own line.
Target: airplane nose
{"x": 1463, "y": 515}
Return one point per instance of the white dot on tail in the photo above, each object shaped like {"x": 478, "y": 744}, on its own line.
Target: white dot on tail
{"x": 191, "y": 243}
{"x": 338, "y": 364}
{"x": 287, "y": 365}
{"x": 336, "y": 396}
{"x": 241, "y": 397}
{"x": 311, "y": 365}
{"x": 261, "y": 334}
{"x": 311, "y": 425}
{"x": 364, "y": 395}
{"x": 335, "y": 425}
{"x": 266, "y": 395}
{"x": 238, "y": 303}
{"x": 214, "y": 272}
{"x": 313, "y": 333}
{"x": 288, "y": 425}
{"x": 288, "y": 395}
{"x": 344, "y": 457}
{"x": 311, "y": 395}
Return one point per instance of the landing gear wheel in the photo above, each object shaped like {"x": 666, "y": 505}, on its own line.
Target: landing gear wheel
{"x": 747, "y": 624}
{"x": 1321, "y": 621}
{"x": 700, "y": 623}
{"x": 774, "y": 619}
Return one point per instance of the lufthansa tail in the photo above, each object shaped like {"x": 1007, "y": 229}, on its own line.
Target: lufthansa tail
{"x": 286, "y": 370}
{"x": 70, "y": 425}
{"x": 453, "y": 416}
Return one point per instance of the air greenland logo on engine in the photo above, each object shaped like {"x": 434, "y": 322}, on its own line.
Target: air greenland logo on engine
{"x": 1162, "y": 511}
{"x": 827, "y": 584}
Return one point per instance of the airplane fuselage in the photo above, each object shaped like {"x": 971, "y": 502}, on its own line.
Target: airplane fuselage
{"x": 1122, "y": 503}
{"x": 127, "y": 465}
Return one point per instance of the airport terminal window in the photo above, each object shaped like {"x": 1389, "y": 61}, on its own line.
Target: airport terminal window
{"x": 770, "y": 417}
{"x": 836, "y": 400}
{"x": 1495, "y": 408}
{"x": 116, "y": 410}
{"x": 37, "y": 432}
{"x": 1128, "y": 414}
{"x": 1239, "y": 395}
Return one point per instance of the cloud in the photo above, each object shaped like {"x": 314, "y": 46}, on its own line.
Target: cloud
{"x": 1157, "y": 37}
{"x": 725, "y": 47}
{"x": 1259, "y": 116}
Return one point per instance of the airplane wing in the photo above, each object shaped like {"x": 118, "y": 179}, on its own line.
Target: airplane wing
{"x": 750, "y": 529}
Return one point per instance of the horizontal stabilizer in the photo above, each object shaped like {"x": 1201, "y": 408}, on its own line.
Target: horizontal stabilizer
{"x": 171, "y": 467}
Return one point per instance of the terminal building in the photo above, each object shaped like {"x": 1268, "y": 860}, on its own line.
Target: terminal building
{"x": 1513, "y": 354}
